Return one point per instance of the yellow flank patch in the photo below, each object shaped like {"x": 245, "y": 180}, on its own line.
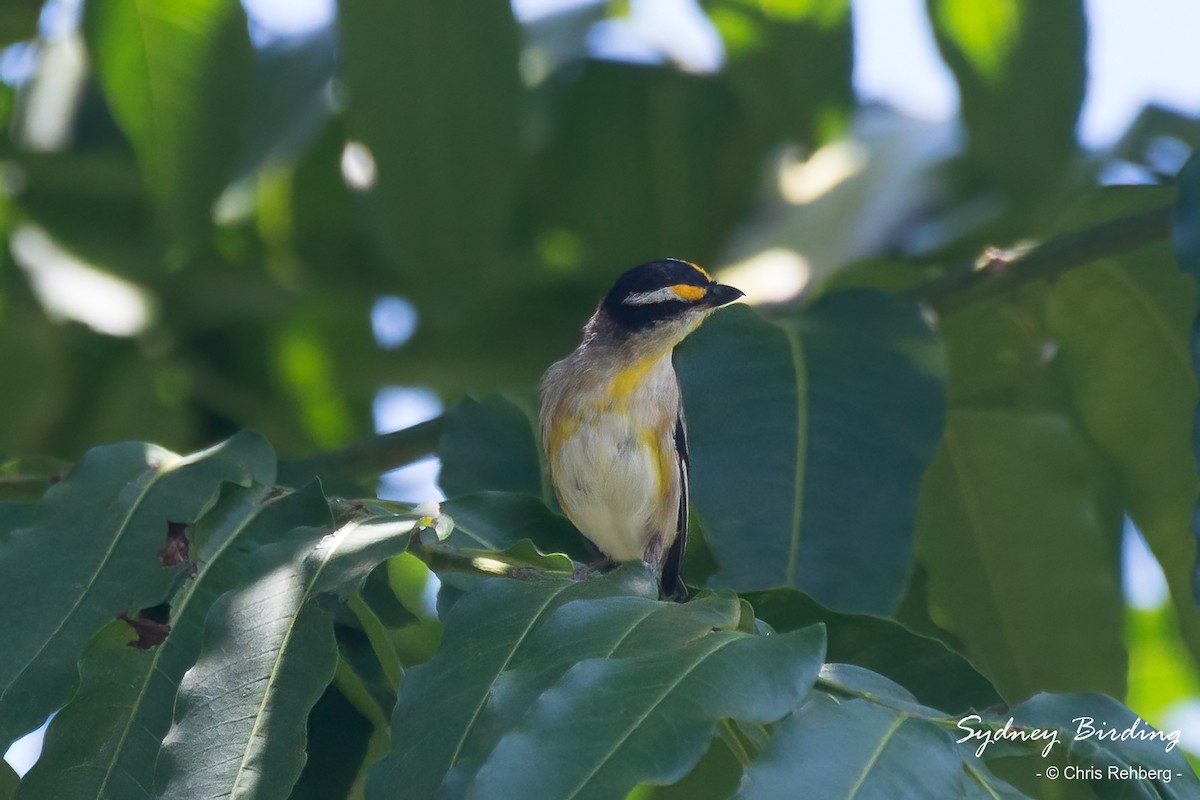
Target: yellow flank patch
{"x": 689, "y": 292}
{"x": 707, "y": 277}
{"x": 663, "y": 459}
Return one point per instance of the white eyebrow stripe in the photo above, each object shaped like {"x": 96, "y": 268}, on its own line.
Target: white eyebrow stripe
{"x": 662, "y": 295}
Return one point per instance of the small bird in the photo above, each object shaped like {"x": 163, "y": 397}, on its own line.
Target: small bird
{"x": 612, "y": 422}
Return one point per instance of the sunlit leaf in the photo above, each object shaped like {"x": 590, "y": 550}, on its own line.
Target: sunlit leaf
{"x": 106, "y": 741}
{"x": 94, "y": 553}
{"x": 268, "y": 654}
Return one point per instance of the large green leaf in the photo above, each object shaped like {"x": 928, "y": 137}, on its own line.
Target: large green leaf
{"x": 268, "y": 654}
{"x": 809, "y": 439}
{"x": 498, "y": 520}
{"x": 434, "y": 93}
{"x": 1098, "y": 732}
{"x": 612, "y": 627}
{"x": 937, "y": 675}
{"x": 1122, "y": 325}
{"x": 1185, "y": 237}
{"x": 440, "y": 702}
{"x": 105, "y": 742}
{"x": 790, "y": 64}
{"x": 1021, "y": 550}
{"x": 858, "y": 749}
{"x": 1020, "y": 70}
{"x": 648, "y": 719}
{"x": 643, "y": 161}
{"x": 97, "y": 550}
{"x": 176, "y": 76}
{"x": 487, "y": 445}
{"x": 18, "y": 20}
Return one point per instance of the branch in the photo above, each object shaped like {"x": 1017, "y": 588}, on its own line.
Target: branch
{"x": 1001, "y": 273}
{"x": 372, "y": 457}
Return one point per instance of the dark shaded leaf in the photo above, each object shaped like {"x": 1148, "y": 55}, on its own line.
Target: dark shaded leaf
{"x": 498, "y": 520}
{"x": 934, "y": 673}
{"x": 1072, "y": 714}
{"x": 440, "y": 702}
{"x": 488, "y": 444}
{"x": 810, "y": 439}
{"x": 609, "y": 627}
{"x": 447, "y": 158}
{"x": 668, "y": 160}
{"x": 859, "y": 749}
{"x": 648, "y": 719}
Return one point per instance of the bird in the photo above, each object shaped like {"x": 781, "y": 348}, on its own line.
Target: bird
{"x": 611, "y": 418}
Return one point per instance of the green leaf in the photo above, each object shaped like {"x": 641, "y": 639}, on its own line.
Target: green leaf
{"x": 858, "y": 749}
{"x": 268, "y": 654}
{"x": 809, "y": 440}
{"x": 18, "y": 20}
{"x": 176, "y": 76}
{"x": 1122, "y": 326}
{"x": 609, "y": 627}
{"x": 498, "y": 520}
{"x": 338, "y": 742}
{"x": 669, "y": 161}
{"x": 8, "y": 780}
{"x": 1022, "y": 552}
{"x": 937, "y": 675}
{"x": 790, "y": 64}
{"x": 443, "y": 129}
{"x": 648, "y": 719}
{"x": 488, "y": 445}
{"x": 1020, "y": 68}
{"x": 1185, "y": 238}
{"x": 440, "y": 702}
{"x": 105, "y": 742}
{"x": 1071, "y": 714}
{"x": 95, "y": 552}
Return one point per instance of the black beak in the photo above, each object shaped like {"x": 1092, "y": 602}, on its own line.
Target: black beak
{"x": 719, "y": 294}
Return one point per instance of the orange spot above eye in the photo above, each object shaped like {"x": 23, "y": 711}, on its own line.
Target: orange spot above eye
{"x": 688, "y": 292}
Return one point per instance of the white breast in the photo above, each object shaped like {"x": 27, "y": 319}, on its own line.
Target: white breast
{"x": 607, "y": 473}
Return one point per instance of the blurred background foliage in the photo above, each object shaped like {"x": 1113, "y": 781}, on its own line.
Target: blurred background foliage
{"x": 211, "y": 227}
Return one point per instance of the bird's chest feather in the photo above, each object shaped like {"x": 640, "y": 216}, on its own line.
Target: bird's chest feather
{"x": 615, "y": 467}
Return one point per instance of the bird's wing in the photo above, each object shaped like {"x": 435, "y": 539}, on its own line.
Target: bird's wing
{"x": 672, "y": 572}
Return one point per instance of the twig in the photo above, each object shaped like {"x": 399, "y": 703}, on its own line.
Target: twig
{"x": 1001, "y": 274}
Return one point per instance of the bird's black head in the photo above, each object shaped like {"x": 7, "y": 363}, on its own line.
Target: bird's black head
{"x": 661, "y": 291}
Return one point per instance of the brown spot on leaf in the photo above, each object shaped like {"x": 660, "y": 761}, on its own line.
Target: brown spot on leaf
{"x": 149, "y": 632}
{"x": 175, "y": 551}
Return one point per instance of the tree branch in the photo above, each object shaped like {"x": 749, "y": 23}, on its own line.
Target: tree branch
{"x": 379, "y": 454}
{"x": 1000, "y": 273}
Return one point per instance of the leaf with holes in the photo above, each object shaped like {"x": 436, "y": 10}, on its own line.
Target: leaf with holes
{"x": 104, "y": 743}
{"x": 91, "y": 555}
{"x": 268, "y": 653}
